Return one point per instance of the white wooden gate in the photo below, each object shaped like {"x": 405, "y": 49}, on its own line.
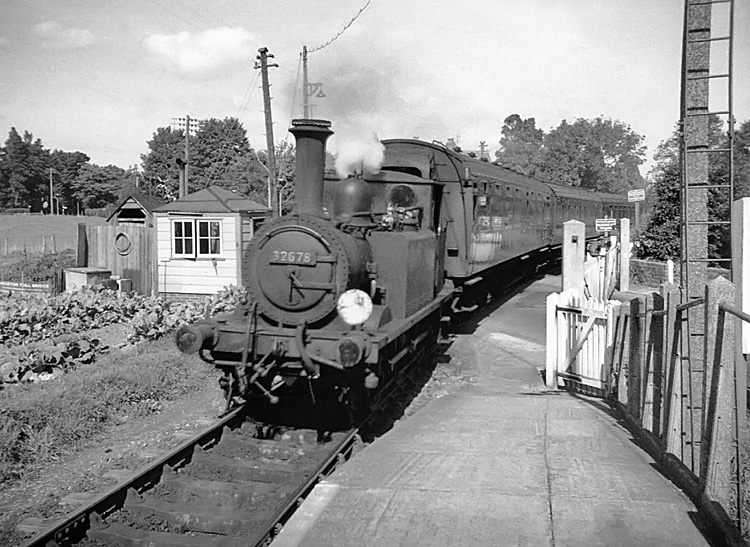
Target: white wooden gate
{"x": 580, "y": 335}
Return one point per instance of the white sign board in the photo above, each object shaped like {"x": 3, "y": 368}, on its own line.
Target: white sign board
{"x": 605, "y": 224}
{"x": 637, "y": 195}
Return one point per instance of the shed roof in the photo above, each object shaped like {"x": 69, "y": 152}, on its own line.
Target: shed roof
{"x": 146, "y": 202}
{"x": 213, "y": 199}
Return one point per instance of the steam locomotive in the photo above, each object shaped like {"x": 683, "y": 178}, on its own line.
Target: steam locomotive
{"x": 346, "y": 291}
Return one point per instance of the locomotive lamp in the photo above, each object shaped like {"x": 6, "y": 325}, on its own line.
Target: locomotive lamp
{"x": 354, "y": 307}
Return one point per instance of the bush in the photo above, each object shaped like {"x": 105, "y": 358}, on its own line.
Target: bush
{"x": 36, "y": 268}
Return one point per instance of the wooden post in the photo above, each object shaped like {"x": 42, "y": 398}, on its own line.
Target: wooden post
{"x": 573, "y": 253}
{"x": 673, "y": 411}
{"x": 551, "y": 342}
{"x": 741, "y": 264}
{"x": 719, "y": 396}
{"x": 624, "y": 354}
{"x": 81, "y": 246}
{"x": 625, "y": 254}
{"x": 637, "y": 346}
{"x": 741, "y": 279}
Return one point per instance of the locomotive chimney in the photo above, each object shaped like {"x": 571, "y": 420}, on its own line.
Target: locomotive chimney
{"x": 311, "y": 136}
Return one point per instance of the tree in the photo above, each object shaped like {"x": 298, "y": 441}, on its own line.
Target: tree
{"x": 23, "y": 173}
{"x": 97, "y": 187}
{"x": 159, "y": 165}
{"x": 661, "y": 238}
{"x": 65, "y": 169}
{"x": 742, "y": 160}
{"x": 218, "y": 145}
{"x": 601, "y": 155}
{"x": 220, "y": 154}
{"x": 520, "y": 145}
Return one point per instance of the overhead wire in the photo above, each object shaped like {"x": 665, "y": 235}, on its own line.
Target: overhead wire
{"x": 244, "y": 105}
{"x": 342, "y": 31}
{"x": 242, "y": 110}
{"x": 282, "y": 164}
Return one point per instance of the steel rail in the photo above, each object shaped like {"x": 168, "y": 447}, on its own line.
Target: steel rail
{"x": 330, "y": 465}
{"x": 79, "y": 521}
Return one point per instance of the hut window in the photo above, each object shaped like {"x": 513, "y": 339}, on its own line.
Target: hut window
{"x": 209, "y": 237}
{"x": 196, "y": 238}
{"x": 182, "y": 240}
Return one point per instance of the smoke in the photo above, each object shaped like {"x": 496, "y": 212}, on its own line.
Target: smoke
{"x": 360, "y": 155}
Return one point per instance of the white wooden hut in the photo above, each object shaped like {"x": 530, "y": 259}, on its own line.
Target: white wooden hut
{"x": 200, "y": 238}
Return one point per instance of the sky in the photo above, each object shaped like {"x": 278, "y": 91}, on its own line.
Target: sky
{"x": 100, "y": 76}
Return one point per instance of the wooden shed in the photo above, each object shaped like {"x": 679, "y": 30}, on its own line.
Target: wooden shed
{"x": 135, "y": 209}
{"x": 200, "y": 239}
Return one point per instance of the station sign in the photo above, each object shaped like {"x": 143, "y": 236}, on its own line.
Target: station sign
{"x": 605, "y": 224}
{"x": 637, "y": 195}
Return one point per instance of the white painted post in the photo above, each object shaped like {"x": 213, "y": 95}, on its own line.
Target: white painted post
{"x": 551, "y": 342}
{"x": 741, "y": 265}
{"x": 625, "y": 254}
{"x": 670, "y": 271}
{"x": 573, "y": 253}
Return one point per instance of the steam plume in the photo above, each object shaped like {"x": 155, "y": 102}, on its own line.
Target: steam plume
{"x": 360, "y": 155}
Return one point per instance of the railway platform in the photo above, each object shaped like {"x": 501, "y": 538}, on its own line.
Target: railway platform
{"x": 504, "y": 462}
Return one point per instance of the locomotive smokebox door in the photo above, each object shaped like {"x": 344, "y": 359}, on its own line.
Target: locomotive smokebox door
{"x": 296, "y": 269}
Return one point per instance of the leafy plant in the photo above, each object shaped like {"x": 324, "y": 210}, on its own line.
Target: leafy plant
{"x": 31, "y": 319}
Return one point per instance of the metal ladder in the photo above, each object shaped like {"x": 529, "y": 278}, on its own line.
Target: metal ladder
{"x": 696, "y": 153}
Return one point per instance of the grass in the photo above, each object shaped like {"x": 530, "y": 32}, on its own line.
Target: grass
{"x": 34, "y": 232}
{"x": 41, "y": 422}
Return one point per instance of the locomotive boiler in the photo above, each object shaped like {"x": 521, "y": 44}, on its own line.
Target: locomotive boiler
{"x": 341, "y": 294}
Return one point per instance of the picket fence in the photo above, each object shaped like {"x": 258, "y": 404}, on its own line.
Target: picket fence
{"x": 580, "y": 336}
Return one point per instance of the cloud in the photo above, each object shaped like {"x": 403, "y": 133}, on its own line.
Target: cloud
{"x": 55, "y": 36}
{"x": 202, "y": 53}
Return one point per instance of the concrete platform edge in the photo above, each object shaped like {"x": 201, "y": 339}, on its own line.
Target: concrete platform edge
{"x": 720, "y": 528}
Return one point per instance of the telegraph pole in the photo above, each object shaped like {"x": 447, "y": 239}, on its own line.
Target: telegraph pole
{"x": 50, "y": 191}
{"x": 187, "y": 156}
{"x": 188, "y": 125}
{"x": 263, "y": 56}
{"x": 305, "y": 85}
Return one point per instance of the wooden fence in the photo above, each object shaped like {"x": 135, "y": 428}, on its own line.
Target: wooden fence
{"x": 36, "y": 245}
{"x": 635, "y": 352}
{"x": 127, "y": 251}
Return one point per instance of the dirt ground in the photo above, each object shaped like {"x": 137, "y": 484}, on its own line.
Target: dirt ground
{"x": 131, "y": 444}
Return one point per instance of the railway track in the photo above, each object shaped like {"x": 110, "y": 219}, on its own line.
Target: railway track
{"x": 234, "y": 484}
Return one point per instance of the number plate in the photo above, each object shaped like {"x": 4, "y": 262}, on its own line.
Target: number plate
{"x": 300, "y": 258}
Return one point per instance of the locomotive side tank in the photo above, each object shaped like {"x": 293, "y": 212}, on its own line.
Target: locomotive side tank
{"x": 341, "y": 294}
